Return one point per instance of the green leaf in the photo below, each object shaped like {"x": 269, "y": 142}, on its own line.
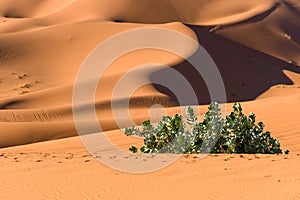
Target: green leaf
{"x": 133, "y": 149}
{"x": 237, "y": 133}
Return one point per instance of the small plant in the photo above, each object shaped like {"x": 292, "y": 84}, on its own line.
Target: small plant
{"x": 133, "y": 149}
{"x": 237, "y": 133}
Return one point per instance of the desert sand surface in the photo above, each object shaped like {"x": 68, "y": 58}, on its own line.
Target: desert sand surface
{"x": 43, "y": 43}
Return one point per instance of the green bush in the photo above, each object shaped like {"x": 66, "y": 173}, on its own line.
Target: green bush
{"x": 235, "y": 134}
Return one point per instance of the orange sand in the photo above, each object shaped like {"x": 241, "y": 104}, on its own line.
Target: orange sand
{"x": 255, "y": 44}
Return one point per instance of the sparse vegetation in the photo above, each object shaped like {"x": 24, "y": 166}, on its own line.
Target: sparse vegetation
{"x": 236, "y": 134}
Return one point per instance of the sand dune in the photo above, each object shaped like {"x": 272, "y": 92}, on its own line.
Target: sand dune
{"x": 43, "y": 43}
{"x": 71, "y": 172}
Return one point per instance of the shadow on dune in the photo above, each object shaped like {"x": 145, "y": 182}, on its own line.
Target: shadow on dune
{"x": 256, "y": 18}
{"x": 9, "y": 104}
{"x": 292, "y": 8}
{"x": 246, "y": 73}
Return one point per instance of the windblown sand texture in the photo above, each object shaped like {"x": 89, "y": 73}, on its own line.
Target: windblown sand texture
{"x": 255, "y": 44}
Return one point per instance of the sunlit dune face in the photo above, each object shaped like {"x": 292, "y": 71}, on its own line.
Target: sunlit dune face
{"x": 44, "y": 43}
{"x": 255, "y": 45}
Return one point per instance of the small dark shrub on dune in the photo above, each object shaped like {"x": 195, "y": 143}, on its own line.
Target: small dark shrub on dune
{"x": 236, "y": 134}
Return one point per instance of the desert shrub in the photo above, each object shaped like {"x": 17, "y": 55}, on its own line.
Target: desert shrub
{"x": 236, "y": 134}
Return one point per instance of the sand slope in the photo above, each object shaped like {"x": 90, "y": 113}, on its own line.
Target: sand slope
{"x": 44, "y": 44}
{"x": 64, "y": 169}
{"x": 255, "y": 44}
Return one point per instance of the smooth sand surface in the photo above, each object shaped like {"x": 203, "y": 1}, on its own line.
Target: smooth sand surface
{"x": 255, "y": 44}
